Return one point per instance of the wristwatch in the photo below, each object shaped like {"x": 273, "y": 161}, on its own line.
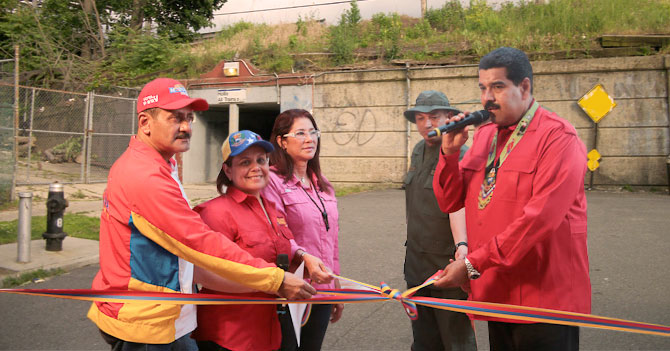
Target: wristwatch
{"x": 459, "y": 244}
{"x": 472, "y": 272}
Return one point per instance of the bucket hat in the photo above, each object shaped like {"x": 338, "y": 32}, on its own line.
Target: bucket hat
{"x": 429, "y": 100}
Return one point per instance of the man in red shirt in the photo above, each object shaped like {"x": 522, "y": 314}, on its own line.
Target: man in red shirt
{"x": 150, "y": 238}
{"x": 522, "y": 186}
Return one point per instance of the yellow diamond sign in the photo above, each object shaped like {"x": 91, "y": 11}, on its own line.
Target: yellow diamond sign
{"x": 593, "y": 163}
{"x": 597, "y": 103}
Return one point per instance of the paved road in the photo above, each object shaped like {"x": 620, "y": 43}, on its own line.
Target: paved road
{"x": 629, "y": 242}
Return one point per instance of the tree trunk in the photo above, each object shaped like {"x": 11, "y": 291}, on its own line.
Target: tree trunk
{"x": 137, "y": 16}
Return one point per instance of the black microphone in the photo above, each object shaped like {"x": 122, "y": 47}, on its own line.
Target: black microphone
{"x": 282, "y": 262}
{"x": 473, "y": 118}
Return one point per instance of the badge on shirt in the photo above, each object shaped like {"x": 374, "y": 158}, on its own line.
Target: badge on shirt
{"x": 287, "y": 190}
{"x": 281, "y": 221}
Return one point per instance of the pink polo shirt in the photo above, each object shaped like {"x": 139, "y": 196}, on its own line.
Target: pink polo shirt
{"x": 305, "y": 220}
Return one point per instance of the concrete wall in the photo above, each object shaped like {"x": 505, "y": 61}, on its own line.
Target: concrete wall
{"x": 365, "y": 134}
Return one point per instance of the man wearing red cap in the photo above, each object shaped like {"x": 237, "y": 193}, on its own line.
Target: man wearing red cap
{"x": 150, "y": 238}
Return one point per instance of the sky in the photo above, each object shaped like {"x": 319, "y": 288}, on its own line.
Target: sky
{"x": 257, "y": 11}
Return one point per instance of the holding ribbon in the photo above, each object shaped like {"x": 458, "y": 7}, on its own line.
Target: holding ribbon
{"x": 367, "y": 293}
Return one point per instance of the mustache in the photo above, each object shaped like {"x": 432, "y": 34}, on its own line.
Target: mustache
{"x": 491, "y": 105}
{"x": 183, "y": 136}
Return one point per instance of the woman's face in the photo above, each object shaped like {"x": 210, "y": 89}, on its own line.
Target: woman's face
{"x": 302, "y": 140}
{"x": 249, "y": 170}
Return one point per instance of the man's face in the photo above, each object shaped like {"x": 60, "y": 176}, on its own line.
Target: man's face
{"x": 168, "y": 131}
{"x": 426, "y": 122}
{"x": 505, "y": 101}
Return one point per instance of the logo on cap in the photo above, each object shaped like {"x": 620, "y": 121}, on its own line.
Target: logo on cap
{"x": 149, "y": 99}
{"x": 178, "y": 89}
{"x": 238, "y": 139}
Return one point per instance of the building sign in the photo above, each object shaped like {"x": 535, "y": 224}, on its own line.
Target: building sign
{"x": 232, "y": 96}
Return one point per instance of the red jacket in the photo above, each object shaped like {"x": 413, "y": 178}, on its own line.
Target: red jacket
{"x": 145, "y": 227}
{"x": 529, "y": 243}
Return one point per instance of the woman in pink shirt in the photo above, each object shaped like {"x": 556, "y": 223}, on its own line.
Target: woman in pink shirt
{"x": 307, "y": 200}
{"x": 252, "y": 222}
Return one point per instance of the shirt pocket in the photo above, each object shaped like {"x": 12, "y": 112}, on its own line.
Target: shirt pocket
{"x": 430, "y": 206}
{"x": 578, "y": 227}
{"x": 473, "y": 164}
{"x": 516, "y": 179}
{"x": 294, "y": 197}
{"x": 252, "y": 238}
{"x": 257, "y": 244}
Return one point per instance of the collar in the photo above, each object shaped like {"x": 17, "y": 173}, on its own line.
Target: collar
{"x": 533, "y": 124}
{"x": 150, "y": 152}
{"x": 293, "y": 180}
{"x": 236, "y": 194}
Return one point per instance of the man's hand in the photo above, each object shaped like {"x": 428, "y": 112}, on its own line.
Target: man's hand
{"x": 452, "y": 142}
{"x": 318, "y": 272}
{"x": 455, "y": 274}
{"x": 294, "y": 288}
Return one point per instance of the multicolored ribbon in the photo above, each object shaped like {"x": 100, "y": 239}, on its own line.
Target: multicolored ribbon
{"x": 368, "y": 293}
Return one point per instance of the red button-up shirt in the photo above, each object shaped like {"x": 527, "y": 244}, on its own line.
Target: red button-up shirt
{"x": 529, "y": 243}
{"x": 240, "y": 217}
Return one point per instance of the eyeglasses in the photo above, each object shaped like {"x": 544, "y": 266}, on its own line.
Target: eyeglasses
{"x": 302, "y": 135}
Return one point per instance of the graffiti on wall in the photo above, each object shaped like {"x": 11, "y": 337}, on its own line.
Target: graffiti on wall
{"x": 351, "y": 127}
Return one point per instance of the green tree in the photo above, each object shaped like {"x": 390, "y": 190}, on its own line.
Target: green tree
{"x": 70, "y": 41}
{"x": 176, "y": 19}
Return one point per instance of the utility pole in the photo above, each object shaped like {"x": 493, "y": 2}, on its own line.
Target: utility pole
{"x": 423, "y": 8}
{"x": 16, "y": 120}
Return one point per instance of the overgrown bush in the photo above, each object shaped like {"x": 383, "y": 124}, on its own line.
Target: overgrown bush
{"x": 344, "y": 38}
{"x": 449, "y": 17}
{"x": 387, "y": 32}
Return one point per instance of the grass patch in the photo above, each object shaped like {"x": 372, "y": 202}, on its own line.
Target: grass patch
{"x": 78, "y": 194}
{"x": 10, "y": 205}
{"x": 342, "y": 190}
{"x": 75, "y": 225}
{"x": 452, "y": 30}
{"x": 24, "y": 278}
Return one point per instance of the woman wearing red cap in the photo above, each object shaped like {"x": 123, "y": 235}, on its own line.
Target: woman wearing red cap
{"x": 248, "y": 219}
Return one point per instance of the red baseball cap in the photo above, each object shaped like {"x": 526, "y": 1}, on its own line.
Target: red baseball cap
{"x": 168, "y": 94}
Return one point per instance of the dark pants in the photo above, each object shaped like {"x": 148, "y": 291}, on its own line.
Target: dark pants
{"x": 437, "y": 329}
{"x": 185, "y": 343}
{"x": 536, "y": 336}
{"x": 311, "y": 334}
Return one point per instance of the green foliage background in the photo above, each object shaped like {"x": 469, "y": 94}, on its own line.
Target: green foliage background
{"x": 63, "y": 44}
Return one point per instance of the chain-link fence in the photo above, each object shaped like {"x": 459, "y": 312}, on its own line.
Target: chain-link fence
{"x": 68, "y": 137}
{"x": 6, "y": 131}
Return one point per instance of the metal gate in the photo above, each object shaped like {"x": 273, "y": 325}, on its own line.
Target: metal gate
{"x": 69, "y": 137}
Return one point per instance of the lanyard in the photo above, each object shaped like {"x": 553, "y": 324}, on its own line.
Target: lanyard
{"x": 323, "y": 212}
{"x": 492, "y": 165}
